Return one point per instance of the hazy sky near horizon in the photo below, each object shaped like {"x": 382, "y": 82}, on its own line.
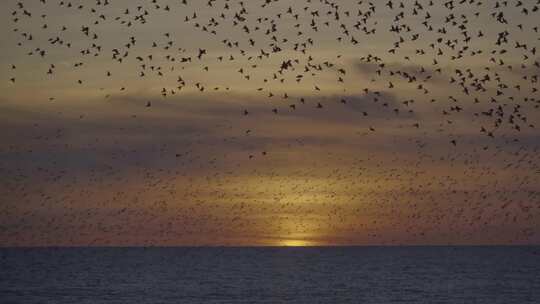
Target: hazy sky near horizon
{"x": 301, "y": 123}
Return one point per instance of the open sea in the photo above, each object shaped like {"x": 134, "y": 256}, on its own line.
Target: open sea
{"x": 486, "y": 275}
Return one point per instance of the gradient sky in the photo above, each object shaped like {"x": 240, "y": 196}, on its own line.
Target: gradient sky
{"x": 405, "y": 162}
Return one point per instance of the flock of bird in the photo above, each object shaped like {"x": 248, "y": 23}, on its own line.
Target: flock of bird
{"x": 436, "y": 70}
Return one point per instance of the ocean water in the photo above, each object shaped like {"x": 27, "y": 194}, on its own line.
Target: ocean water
{"x": 487, "y": 275}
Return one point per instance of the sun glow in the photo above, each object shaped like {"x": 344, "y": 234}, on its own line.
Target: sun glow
{"x": 295, "y": 243}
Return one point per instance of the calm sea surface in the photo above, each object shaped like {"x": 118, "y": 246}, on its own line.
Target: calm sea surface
{"x": 271, "y": 275}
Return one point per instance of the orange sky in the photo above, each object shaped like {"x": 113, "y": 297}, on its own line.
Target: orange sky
{"x": 92, "y": 164}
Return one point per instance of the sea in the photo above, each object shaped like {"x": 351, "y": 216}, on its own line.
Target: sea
{"x": 483, "y": 275}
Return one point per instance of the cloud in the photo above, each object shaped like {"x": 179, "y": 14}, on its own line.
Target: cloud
{"x": 194, "y": 131}
{"x": 420, "y": 72}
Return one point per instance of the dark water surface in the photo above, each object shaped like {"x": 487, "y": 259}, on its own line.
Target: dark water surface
{"x": 271, "y": 275}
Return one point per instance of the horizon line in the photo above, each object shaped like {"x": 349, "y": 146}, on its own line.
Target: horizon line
{"x": 256, "y": 246}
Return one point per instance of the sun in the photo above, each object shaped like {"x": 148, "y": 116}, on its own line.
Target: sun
{"x": 295, "y": 243}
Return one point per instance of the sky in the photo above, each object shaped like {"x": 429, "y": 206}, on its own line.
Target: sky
{"x": 269, "y": 123}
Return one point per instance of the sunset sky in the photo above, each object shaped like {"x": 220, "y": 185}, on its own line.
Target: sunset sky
{"x": 171, "y": 158}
